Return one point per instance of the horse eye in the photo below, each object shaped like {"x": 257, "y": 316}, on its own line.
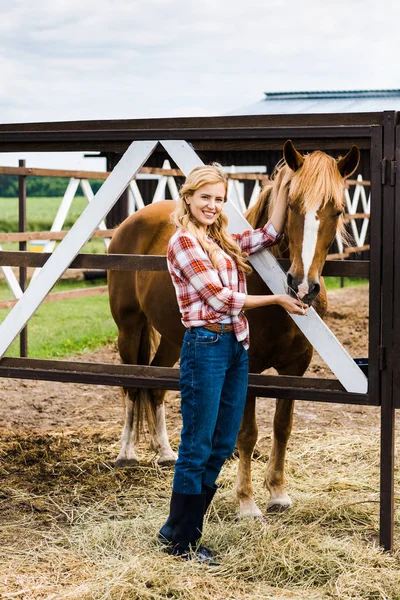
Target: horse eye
{"x": 338, "y": 213}
{"x": 290, "y": 206}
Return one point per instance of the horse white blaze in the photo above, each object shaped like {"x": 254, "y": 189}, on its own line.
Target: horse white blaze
{"x": 310, "y": 236}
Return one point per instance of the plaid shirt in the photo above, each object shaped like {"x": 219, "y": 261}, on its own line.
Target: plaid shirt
{"x": 207, "y": 294}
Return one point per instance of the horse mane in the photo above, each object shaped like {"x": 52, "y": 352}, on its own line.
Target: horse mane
{"x": 255, "y": 213}
{"x": 261, "y": 211}
{"x": 316, "y": 183}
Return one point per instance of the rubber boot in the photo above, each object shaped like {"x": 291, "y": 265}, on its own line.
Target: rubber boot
{"x": 165, "y": 533}
{"x": 183, "y": 529}
{"x": 176, "y": 509}
{"x": 209, "y": 492}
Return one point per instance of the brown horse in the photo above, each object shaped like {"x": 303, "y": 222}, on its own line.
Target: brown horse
{"x": 142, "y": 302}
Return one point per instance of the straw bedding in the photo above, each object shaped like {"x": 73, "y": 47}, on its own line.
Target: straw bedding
{"x": 72, "y": 526}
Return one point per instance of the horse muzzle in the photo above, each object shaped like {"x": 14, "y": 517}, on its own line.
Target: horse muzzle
{"x": 305, "y": 292}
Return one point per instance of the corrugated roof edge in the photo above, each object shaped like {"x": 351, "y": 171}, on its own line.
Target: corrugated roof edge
{"x": 332, "y": 94}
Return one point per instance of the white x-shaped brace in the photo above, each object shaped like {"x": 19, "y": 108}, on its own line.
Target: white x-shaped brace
{"x": 320, "y": 336}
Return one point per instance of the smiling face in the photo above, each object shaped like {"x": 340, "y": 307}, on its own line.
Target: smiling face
{"x": 206, "y": 203}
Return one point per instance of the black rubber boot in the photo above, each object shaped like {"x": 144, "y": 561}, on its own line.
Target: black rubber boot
{"x": 183, "y": 529}
{"x": 210, "y": 493}
{"x": 176, "y": 509}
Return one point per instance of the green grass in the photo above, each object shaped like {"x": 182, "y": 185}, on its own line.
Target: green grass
{"x": 59, "y": 328}
{"x": 40, "y": 217}
{"x": 40, "y": 213}
{"x": 333, "y": 283}
{"x": 66, "y": 327}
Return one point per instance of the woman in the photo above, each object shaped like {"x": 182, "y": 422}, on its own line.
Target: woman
{"x": 208, "y": 268}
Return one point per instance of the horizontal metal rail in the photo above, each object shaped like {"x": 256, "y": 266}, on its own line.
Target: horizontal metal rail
{"x": 158, "y": 124}
{"x": 139, "y": 262}
{"x": 226, "y": 133}
{"x": 38, "y": 172}
{"x": 165, "y": 378}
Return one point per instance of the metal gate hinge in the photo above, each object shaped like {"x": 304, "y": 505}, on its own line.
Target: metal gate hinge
{"x": 382, "y": 357}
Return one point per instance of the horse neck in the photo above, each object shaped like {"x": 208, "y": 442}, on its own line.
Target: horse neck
{"x": 258, "y": 214}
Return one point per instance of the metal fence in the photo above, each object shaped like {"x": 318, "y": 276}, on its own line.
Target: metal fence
{"x": 377, "y": 132}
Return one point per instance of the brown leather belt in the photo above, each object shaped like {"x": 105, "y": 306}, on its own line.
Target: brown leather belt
{"x": 219, "y": 327}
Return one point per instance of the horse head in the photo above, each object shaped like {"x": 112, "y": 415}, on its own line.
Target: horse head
{"x": 315, "y": 213}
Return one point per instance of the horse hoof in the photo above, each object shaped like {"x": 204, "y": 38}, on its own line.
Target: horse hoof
{"x": 278, "y": 506}
{"x": 248, "y": 516}
{"x": 166, "y": 462}
{"x": 250, "y": 512}
{"x": 120, "y": 463}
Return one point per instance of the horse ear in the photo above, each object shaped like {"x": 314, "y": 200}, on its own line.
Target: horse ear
{"x": 349, "y": 163}
{"x": 292, "y": 157}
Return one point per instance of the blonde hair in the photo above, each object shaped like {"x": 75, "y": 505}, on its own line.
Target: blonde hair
{"x": 182, "y": 217}
{"x": 314, "y": 185}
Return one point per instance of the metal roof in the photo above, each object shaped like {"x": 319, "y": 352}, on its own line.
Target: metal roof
{"x": 278, "y": 103}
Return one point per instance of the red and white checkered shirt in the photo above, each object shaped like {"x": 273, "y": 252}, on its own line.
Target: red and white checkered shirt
{"x": 207, "y": 294}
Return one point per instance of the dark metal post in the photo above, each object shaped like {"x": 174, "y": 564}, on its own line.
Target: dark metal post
{"x": 386, "y": 349}
{"x": 23, "y": 336}
{"x": 375, "y": 269}
{"x": 119, "y": 211}
{"x": 396, "y": 317}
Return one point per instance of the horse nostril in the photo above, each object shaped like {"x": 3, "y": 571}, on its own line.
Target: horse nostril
{"x": 314, "y": 290}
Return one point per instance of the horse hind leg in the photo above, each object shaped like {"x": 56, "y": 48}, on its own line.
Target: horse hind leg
{"x": 130, "y": 346}
{"x": 167, "y": 354}
{"x": 159, "y": 441}
{"x": 127, "y": 456}
{"x": 246, "y": 442}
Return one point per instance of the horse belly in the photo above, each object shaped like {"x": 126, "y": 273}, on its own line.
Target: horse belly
{"x": 157, "y": 299}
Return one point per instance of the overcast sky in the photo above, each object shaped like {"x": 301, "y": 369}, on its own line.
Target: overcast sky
{"x": 78, "y": 59}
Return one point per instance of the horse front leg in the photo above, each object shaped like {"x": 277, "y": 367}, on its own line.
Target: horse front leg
{"x": 283, "y": 422}
{"x": 275, "y": 474}
{"x": 246, "y": 442}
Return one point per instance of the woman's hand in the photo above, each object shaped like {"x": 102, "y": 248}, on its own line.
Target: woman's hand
{"x": 292, "y": 305}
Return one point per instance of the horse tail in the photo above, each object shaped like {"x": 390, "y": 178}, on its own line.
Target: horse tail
{"x": 145, "y": 406}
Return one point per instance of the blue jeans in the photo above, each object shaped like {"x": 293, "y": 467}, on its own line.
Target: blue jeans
{"x": 213, "y": 381}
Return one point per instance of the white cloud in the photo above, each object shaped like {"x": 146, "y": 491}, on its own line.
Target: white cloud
{"x": 83, "y": 59}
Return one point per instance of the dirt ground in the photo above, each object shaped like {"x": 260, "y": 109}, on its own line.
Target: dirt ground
{"x": 44, "y": 407}
{"x": 73, "y": 526}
